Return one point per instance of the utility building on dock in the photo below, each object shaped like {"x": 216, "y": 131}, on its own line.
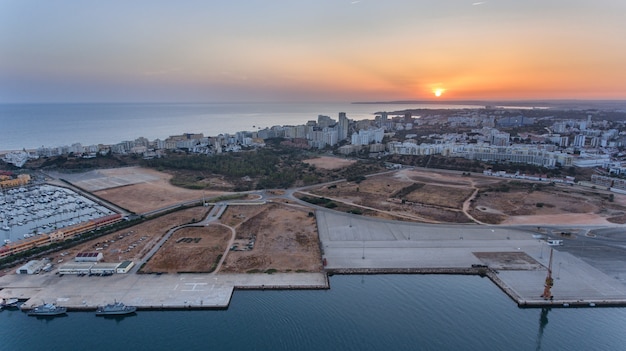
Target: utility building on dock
{"x": 89, "y": 257}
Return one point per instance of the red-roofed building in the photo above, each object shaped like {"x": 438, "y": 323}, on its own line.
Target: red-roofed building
{"x": 89, "y": 257}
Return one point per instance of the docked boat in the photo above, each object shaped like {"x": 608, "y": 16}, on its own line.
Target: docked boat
{"x": 115, "y": 309}
{"x": 8, "y": 303}
{"x": 47, "y": 309}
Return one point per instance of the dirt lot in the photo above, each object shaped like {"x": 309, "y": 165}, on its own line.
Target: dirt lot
{"x": 276, "y": 243}
{"x": 429, "y": 197}
{"x": 146, "y": 190}
{"x": 273, "y": 237}
{"x": 192, "y": 250}
{"x": 524, "y": 204}
{"x": 133, "y": 243}
{"x": 326, "y": 162}
{"x": 436, "y": 196}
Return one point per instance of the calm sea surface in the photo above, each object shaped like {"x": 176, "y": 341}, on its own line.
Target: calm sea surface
{"x": 374, "y": 312}
{"x": 34, "y": 125}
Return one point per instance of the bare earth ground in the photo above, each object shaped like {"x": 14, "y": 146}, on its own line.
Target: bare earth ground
{"x": 552, "y": 205}
{"x": 441, "y": 196}
{"x": 326, "y": 162}
{"x": 437, "y": 198}
{"x": 138, "y": 189}
{"x": 134, "y": 242}
{"x": 191, "y": 250}
{"x": 282, "y": 238}
{"x": 279, "y": 244}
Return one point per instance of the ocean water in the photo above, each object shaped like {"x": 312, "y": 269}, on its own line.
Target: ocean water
{"x": 372, "y": 312}
{"x": 31, "y": 126}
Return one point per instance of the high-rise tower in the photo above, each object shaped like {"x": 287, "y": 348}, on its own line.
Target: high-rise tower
{"x": 343, "y": 126}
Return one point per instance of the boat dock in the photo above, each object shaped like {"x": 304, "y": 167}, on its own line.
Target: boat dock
{"x": 512, "y": 258}
{"x": 148, "y": 291}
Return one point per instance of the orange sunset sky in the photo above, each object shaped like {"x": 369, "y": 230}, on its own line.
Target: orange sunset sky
{"x": 326, "y": 50}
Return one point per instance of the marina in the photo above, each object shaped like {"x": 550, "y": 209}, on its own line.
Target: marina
{"x": 39, "y": 209}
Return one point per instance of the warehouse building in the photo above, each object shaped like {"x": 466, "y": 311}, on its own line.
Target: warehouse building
{"x": 89, "y": 257}
{"x": 32, "y": 267}
{"x": 95, "y": 268}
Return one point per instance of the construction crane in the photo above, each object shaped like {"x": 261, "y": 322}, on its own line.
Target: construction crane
{"x": 547, "y": 294}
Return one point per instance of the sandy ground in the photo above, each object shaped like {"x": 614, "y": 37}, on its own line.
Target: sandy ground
{"x": 134, "y": 242}
{"x": 191, "y": 250}
{"x": 272, "y": 237}
{"x": 326, "y": 162}
{"x": 140, "y": 189}
{"x": 551, "y": 205}
{"x": 439, "y": 196}
{"x": 266, "y": 240}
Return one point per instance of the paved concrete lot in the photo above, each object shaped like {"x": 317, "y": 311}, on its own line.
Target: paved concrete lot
{"x": 357, "y": 242}
{"x": 353, "y": 242}
{"x": 575, "y": 282}
{"x": 106, "y": 179}
{"x": 148, "y": 290}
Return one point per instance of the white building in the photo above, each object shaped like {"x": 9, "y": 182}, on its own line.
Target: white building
{"x": 32, "y": 267}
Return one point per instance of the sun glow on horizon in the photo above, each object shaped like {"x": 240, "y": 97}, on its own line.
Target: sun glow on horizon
{"x": 438, "y": 92}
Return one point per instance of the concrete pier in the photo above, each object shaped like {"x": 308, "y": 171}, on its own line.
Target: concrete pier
{"x": 511, "y": 257}
{"x": 353, "y": 245}
{"x": 148, "y": 291}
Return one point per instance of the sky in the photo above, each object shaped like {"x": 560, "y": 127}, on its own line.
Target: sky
{"x": 313, "y": 50}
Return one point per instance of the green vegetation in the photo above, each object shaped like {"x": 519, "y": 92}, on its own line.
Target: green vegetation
{"x": 214, "y": 265}
{"x": 272, "y": 167}
{"x": 321, "y": 201}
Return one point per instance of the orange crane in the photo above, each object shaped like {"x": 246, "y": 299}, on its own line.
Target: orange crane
{"x": 547, "y": 294}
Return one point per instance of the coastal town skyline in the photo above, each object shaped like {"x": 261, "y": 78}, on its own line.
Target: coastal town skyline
{"x": 365, "y": 50}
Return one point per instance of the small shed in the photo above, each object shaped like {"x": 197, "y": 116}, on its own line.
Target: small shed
{"x": 125, "y": 266}
{"x": 89, "y": 257}
{"x": 104, "y": 268}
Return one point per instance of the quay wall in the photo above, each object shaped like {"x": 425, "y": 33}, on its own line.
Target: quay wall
{"x": 521, "y": 302}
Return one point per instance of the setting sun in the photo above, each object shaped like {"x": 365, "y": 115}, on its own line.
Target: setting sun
{"x": 438, "y": 92}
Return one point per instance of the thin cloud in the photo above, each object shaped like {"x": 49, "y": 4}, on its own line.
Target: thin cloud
{"x": 479, "y": 3}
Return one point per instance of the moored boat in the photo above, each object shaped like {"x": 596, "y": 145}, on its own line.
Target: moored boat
{"x": 8, "y": 303}
{"x": 115, "y": 309}
{"x": 47, "y": 309}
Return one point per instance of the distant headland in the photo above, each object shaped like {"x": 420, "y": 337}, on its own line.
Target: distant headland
{"x": 551, "y": 104}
